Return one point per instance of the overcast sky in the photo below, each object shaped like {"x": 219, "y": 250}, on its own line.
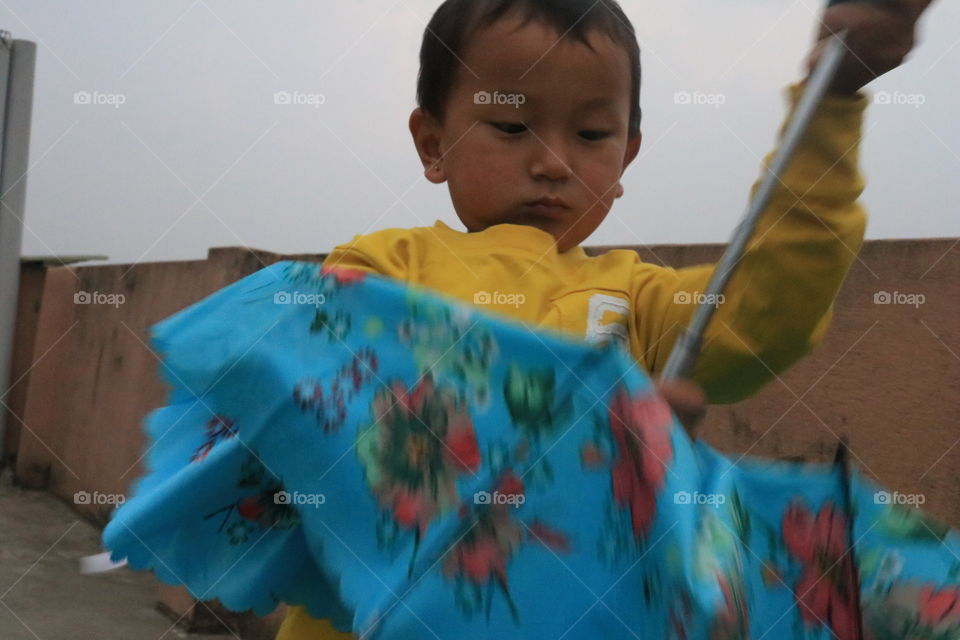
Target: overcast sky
{"x": 187, "y": 148}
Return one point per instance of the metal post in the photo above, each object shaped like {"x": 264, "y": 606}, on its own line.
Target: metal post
{"x": 17, "y": 63}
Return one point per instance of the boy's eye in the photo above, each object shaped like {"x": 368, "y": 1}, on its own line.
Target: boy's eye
{"x": 510, "y": 127}
{"x": 594, "y": 135}
{"x": 518, "y": 127}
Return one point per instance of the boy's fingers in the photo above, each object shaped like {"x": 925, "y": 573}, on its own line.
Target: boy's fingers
{"x": 687, "y": 401}
{"x": 912, "y": 9}
{"x": 880, "y": 35}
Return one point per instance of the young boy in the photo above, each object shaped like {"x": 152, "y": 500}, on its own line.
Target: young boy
{"x": 529, "y": 111}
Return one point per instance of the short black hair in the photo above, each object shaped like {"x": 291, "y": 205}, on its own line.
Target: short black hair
{"x": 445, "y": 38}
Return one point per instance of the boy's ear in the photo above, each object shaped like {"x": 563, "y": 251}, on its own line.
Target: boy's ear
{"x": 426, "y": 137}
{"x": 633, "y": 147}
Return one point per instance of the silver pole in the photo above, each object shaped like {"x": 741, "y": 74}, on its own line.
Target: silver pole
{"x": 684, "y": 355}
{"x": 17, "y": 63}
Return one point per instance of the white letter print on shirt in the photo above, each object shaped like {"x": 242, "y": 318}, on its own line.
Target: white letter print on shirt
{"x": 599, "y": 331}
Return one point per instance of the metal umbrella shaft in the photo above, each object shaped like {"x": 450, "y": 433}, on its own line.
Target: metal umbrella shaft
{"x": 684, "y": 355}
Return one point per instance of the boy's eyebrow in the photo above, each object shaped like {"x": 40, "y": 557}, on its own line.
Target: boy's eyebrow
{"x": 599, "y": 101}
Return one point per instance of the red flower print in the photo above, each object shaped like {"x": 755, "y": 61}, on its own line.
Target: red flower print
{"x": 591, "y": 457}
{"x": 731, "y": 621}
{"x": 420, "y": 441}
{"x": 482, "y": 554}
{"x": 937, "y": 606}
{"x": 483, "y": 560}
{"x": 330, "y": 407}
{"x": 493, "y": 538}
{"x": 641, "y": 432}
{"x": 250, "y": 508}
{"x": 218, "y": 428}
{"x": 462, "y": 452}
{"x": 410, "y": 509}
{"x": 548, "y": 537}
{"x": 914, "y": 610}
{"x": 343, "y": 275}
{"x": 510, "y": 484}
{"x": 259, "y": 510}
{"x": 828, "y": 586}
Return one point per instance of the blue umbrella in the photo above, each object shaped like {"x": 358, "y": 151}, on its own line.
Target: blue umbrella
{"x": 408, "y": 466}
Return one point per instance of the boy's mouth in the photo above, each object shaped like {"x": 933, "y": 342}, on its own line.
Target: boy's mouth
{"x": 548, "y": 206}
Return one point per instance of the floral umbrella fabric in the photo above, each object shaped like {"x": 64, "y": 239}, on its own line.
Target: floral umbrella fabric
{"x": 408, "y": 466}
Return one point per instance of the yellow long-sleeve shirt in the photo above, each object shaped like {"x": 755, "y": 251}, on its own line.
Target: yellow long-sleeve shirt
{"x": 777, "y": 304}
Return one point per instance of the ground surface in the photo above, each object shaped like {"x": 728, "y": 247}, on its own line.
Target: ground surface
{"x": 44, "y": 597}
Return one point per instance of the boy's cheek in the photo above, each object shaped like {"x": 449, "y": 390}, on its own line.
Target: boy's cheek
{"x": 487, "y": 142}
{"x": 603, "y": 182}
{"x": 492, "y": 170}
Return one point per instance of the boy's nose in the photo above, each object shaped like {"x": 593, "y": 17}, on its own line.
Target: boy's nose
{"x": 550, "y": 161}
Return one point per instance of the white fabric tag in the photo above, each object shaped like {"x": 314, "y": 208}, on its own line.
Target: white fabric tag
{"x": 99, "y": 563}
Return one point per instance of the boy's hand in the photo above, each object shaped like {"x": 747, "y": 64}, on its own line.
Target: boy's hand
{"x": 687, "y": 401}
{"x": 881, "y": 34}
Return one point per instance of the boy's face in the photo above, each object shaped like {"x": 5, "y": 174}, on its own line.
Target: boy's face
{"x": 556, "y": 128}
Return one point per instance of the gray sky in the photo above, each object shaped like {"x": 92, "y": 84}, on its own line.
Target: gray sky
{"x": 199, "y": 154}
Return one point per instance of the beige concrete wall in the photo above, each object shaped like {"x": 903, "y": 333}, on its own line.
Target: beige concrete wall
{"x": 94, "y": 377}
{"x": 30, "y": 290}
{"x": 887, "y": 375}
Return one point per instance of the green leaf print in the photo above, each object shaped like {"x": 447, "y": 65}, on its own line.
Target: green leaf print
{"x": 532, "y": 402}
{"x": 909, "y": 523}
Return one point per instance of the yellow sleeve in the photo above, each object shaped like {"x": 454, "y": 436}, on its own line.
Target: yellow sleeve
{"x": 778, "y": 302}
{"x": 389, "y": 252}
{"x": 299, "y": 625}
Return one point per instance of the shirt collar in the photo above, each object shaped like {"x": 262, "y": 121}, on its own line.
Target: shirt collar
{"x": 518, "y": 236}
